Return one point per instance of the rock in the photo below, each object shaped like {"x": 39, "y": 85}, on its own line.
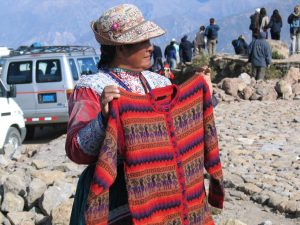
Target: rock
{"x": 275, "y": 200}
{"x": 280, "y": 47}
{"x": 250, "y": 188}
{"x": 2, "y": 217}
{"x": 234, "y": 222}
{"x": 293, "y": 76}
{"x": 296, "y": 89}
{"x": 285, "y": 89}
{"x": 293, "y": 207}
{"x": 49, "y": 177}
{"x": 61, "y": 214}
{"x": 4, "y": 161}
{"x": 36, "y": 189}
{"x": 12, "y": 203}
{"x": 15, "y": 183}
{"x": 230, "y": 86}
{"x": 247, "y": 93}
{"x": 246, "y": 78}
{"x": 232, "y": 180}
{"x": 53, "y": 197}
{"x": 21, "y": 218}
{"x": 40, "y": 164}
{"x": 267, "y": 222}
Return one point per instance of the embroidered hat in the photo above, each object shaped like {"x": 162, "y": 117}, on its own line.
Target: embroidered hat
{"x": 124, "y": 24}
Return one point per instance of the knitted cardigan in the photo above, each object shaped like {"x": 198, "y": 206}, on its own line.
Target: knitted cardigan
{"x": 167, "y": 138}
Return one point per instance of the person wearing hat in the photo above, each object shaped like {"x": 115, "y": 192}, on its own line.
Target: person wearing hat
{"x": 254, "y": 23}
{"x": 294, "y": 21}
{"x": 124, "y": 36}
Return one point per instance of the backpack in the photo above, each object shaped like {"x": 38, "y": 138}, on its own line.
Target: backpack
{"x": 211, "y": 33}
{"x": 295, "y": 26}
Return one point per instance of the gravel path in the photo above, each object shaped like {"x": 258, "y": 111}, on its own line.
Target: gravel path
{"x": 260, "y": 153}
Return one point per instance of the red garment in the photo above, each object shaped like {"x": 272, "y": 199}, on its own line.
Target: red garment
{"x": 166, "y": 144}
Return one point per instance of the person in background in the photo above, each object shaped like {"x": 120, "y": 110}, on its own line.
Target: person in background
{"x": 211, "y": 32}
{"x": 124, "y": 37}
{"x": 240, "y": 46}
{"x": 254, "y": 24}
{"x": 185, "y": 50}
{"x": 263, "y": 21}
{"x": 157, "y": 58}
{"x": 170, "y": 54}
{"x": 275, "y": 25}
{"x": 200, "y": 41}
{"x": 294, "y": 22}
{"x": 176, "y": 45}
{"x": 260, "y": 56}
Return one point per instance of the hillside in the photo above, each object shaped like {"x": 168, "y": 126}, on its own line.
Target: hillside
{"x": 55, "y": 22}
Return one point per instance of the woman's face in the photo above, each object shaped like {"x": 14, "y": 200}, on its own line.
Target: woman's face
{"x": 137, "y": 57}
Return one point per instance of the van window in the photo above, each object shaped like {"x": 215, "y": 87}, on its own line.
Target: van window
{"x": 73, "y": 69}
{"x": 87, "y": 66}
{"x": 19, "y": 72}
{"x": 48, "y": 71}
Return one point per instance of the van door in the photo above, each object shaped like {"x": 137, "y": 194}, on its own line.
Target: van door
{"x": 51, "y": 94}
{"x": 20, "y": 73}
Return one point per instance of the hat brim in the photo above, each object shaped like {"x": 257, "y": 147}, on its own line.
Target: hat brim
{"x": 144, "y": 31}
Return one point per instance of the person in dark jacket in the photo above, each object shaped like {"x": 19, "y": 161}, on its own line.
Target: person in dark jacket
{"x": 275, "y": 25}
{"x": 170, "y": 54}
{"x": 240, "y": 46}
{"x": 211, "y": 32}
{"x": 294, "y": 21}
{"x": 157, "y": 58}
{"x": 254, "y": 24}
{"x": 185, "y": 50}
{"x": 260, "y": 56}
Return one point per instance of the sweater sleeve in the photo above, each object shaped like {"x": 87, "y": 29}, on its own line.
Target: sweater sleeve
{"x": 212, "y": 161}
{"x": 105, "y": 170}
{"x": 85, "y": 128}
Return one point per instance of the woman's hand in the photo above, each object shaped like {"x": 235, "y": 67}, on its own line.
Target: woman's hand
{"x": 109, "y": 93}
{"x": 205, "y": 73}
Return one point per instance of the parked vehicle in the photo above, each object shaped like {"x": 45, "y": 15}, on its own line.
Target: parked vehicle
{"x": 13, "y": 129}
{"x": 45, "y": 77}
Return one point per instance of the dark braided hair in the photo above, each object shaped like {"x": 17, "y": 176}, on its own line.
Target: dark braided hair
{"x": 108, "y": 53}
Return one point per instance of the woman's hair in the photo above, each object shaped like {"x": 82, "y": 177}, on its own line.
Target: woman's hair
{"x": 262, "y": 14}
{"x": 276, "y": 16}
{"x": 108, "y": 53}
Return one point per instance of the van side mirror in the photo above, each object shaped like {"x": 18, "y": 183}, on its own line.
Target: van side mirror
{"x": 12, "y": 93}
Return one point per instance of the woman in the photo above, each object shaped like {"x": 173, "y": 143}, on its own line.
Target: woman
{"x": 275, "y": 25}
{"x": 263, "y": 21}
{"x": 125, "y": 55}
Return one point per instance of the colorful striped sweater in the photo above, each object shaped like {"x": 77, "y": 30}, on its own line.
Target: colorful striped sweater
{"x": 167, "y": 138}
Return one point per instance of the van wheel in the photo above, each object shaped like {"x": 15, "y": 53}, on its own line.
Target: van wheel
{"x": 29, "y": 132}
{"x": 13, "y": 138}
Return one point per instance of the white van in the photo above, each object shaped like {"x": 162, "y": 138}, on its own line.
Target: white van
{"x": 13, "y": 129}
{"x": 45, "y": 78}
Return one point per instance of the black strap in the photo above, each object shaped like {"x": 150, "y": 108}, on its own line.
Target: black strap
{"x": 145, "y": 83}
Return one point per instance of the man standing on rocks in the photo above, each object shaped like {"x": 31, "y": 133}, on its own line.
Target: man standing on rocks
{"x": 294, "y": 21}
{"x": 211, "y": 32}
{"x": 260, "y": 56}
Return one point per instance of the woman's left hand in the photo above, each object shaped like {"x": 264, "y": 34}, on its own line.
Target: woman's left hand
{"x": 205, "y": 73}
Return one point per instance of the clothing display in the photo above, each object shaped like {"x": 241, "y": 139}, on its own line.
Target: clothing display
{"x": 166, "y": 138}
{"x": 86, "y": 131}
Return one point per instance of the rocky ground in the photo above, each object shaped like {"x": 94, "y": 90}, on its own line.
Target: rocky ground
{"x": 260, "y": 153}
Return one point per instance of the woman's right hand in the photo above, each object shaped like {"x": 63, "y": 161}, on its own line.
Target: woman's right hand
{"x": 109, "y": 93}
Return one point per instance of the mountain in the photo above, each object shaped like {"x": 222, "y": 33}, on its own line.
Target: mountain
{"x": 60, "y": 22}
